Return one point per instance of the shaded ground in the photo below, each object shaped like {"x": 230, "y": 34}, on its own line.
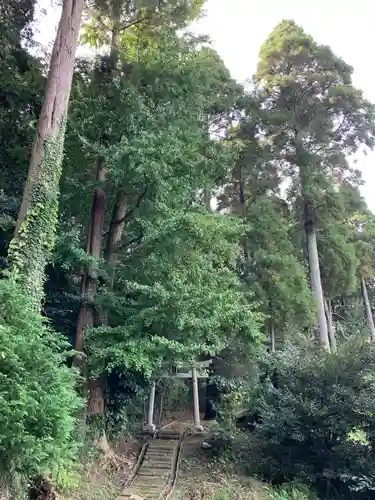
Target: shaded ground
{"x": 201, "y": 478}
{"x": 95, "y": 482}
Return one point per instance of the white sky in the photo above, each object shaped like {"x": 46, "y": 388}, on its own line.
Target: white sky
{"x": 239, "y": 27}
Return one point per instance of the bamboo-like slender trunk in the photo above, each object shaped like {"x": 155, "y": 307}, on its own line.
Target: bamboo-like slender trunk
{"x": 370, "y": 319}
{"x": 330, "y": 325}
{"x": 243, "y": 210}
{"x": 305, "y": 175}
{"x": 272, "y": 337}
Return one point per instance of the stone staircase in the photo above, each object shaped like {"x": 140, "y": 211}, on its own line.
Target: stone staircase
{"x": 156, "y": 474}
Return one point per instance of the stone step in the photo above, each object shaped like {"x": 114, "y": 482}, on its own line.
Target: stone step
{"x": 162, "y": 444}
{"x": 153, "y": 473}
{"x": 147, "y": 487}
{"x": 161, "y": 451}
{"x": 169, "y": 436}
{"x": 161, "y": 454}
{"x": 147, "y": 493}
{"x": 150, "y": 479}
{"x": 156, "y": 466}
{"x": 155, "y": 470}
{"x": 142, "y": 491}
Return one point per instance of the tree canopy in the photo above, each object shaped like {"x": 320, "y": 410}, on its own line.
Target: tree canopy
{"x": 171, "y": 214}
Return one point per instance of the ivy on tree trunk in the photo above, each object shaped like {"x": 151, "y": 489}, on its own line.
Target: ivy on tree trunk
{"x": 34, "y": 234}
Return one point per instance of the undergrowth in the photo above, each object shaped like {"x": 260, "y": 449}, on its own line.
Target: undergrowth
{"x": 254, "y": 491}
{"x": 38, "y": 402}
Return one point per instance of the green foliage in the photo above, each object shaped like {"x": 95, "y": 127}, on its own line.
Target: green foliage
{"x": 16, "y": 17}
{"x": 307, "y": 85}
{"x": 362, "y": 223}
{"x": 313, "y": 117}
{"x": 270, "y": 267}
{"x": 136, "y": 19}
{"x": 290, "y": 493}
{"x": 157, "y": 111}
{"x": 279, "y": 280}
{"x": 179, "y": 296}
{"x": 351, "y": 319}
{"x": 223, "y": 488}
{"x": 310, "y": 403}
{"x": 37, "y": 395}
{"x": 185, "y": 282}
{"x": 338, "y": 261}
{"x": 21, "y": 86}
{"x": 313, "y": 114}
{"x": 176, "y": 291}
{"x": 31, "y": 248}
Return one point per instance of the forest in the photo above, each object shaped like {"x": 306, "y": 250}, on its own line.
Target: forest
{"x": 154, "y": 210}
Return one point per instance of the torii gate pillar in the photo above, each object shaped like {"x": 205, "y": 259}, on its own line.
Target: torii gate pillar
{"x": 197, "y": 420}
{"x": 150, "y": 427}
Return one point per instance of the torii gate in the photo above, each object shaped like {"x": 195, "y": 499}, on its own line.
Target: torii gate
{"x": 199, "y": 370}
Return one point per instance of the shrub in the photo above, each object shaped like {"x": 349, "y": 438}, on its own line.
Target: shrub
{"x": 37, "y": 397}
{"x": 221, "y": 443}
{"x": 290, "y": 493}
{"x": 317, "y": 412}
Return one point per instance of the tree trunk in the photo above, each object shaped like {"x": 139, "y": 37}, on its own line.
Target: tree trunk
{"x": 244, "y": 218}
{"x": 89, "y": 279}
{"x": 96, "y": 399}
{"x": 316, "y": 284}
{"x": 366, "y": 301}
{"x": 207, "y": 199}
{"x": 96, "y": 404}
{"x": 89, "y": 285}
{"x": 330, "y": 325}
{"x": 272, "y": 337}
{"x": 38, "y": 216}
{"x": 116, "y": 228}
{"x": 305, "y": 176}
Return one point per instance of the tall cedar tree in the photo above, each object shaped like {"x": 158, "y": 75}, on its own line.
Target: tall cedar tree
{"x": 159, "y": 107}
{"x": 37, "y": 219}
{"x": 361, "y": 223}
{"x": 120, "y": 20}
{"x": 270, "y": 264}
{"x": 38, "y": 400}
{"x": 21, "y": 88}
{"x": 313, "y": 116}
